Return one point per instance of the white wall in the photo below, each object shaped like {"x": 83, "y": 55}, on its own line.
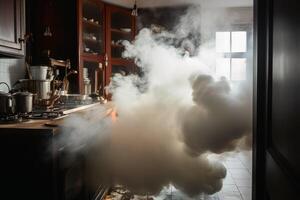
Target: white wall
{"x": 10, "y": 71}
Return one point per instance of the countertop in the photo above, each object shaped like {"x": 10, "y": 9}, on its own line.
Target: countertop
{"x": 52, "y": 124}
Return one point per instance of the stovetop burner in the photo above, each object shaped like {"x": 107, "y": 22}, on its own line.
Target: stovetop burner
{"x": 24, "y": 117}
{"x": 45, "y": 115}
{"x": 12, "y": 119}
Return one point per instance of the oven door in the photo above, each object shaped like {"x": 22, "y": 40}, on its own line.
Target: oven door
{"x": 71, "y": 175}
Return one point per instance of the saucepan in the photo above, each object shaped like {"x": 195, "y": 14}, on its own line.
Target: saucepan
{"x": 6, "y": 102}
{"x": 23, "y": 102}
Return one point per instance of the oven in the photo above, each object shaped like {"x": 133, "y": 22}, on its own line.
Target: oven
{"x": 71, "y": 179}
{"x": 71, "y": 173}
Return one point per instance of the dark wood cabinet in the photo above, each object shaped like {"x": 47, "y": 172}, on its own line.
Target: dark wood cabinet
{"x": 91, "y": 46}
{"x": 102, "y": 28}
{"x": 39, "y": 166}
{"x": 120, "y": 26}
{"x": 12, "y": 25}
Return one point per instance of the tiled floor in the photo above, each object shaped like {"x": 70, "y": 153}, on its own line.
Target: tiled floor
{"x": 236, "y": 186}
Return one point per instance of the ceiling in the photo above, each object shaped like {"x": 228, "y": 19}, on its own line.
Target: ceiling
{"x": 161, "y": 3}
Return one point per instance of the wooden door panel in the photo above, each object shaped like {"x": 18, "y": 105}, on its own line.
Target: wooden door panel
{"x": 12, "y": 20}
{"x": 280, "y": 99}
{"x": 7, "y": 20}
{"x": 278, "y": 184}
{"x": 285, "y": 128}
{"x": 114, "y": 25}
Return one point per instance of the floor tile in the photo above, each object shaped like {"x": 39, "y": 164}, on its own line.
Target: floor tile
{"x": 236, "y": 196}
{"x": 237, "y": 184}
{"x": 246, "y": 192}
{"x": 234, "y": 165}
{"x": 243, "y": 182}
{"x": 228, "y": 180}
{"x": 240, "y": 173}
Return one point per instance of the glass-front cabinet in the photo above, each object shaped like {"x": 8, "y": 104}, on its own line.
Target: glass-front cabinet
{"x": 91, "y": 46}
{"x": 92, "y": 27}
{"x": 93, "y": 76}
{"x": 120, "y": 27}
{"x": 102, "y": 28}
{"x": 120, "y": 30}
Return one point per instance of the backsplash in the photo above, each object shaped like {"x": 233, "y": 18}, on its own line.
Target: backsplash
{"x": 10, "y": 71}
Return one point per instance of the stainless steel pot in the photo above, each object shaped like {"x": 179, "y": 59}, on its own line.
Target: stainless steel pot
{"x": 41, "y": 89}
{"x": 23, "y": 102}
{"x": 6, "y": 102}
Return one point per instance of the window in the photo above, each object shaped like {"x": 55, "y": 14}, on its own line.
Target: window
{"x": 232, "y": 60}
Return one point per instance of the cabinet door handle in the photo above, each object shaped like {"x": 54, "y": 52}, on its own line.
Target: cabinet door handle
{"x": 106, "y": 60}
{"x": 21, "y": 40}
{"x": 25, "y": 38}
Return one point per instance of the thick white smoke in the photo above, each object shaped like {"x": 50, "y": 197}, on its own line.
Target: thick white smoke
{"x": 169, "y": 120}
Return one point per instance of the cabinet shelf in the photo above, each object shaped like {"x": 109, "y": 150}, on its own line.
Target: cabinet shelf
{"x": 120, "y": 31}
{"x": 117, "y": 46}
{"x": 122, "y": 61}
{"x": 91, "y": 40}
{"x": 91, "y": 24}
{"x": 90, "y": 55}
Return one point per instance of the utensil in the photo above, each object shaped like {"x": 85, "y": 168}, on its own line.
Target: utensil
{"x": 28, "y": 71}
{"x": 23, "y": 102}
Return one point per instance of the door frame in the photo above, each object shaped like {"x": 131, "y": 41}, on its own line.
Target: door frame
{"x": 260, "y": 98}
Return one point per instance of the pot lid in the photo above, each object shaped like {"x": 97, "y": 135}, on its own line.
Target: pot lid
{"x": 4, "y": 94}
{"x": 22, "y": 94}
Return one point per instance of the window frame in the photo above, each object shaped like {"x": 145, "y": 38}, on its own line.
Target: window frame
{"x": 231, "y": 55}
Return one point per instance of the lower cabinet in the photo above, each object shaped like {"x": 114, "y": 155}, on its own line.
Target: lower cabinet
{"x": 35, "y": 166}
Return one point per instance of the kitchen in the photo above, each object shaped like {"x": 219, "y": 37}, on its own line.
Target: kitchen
{"x": 95, "y": 103}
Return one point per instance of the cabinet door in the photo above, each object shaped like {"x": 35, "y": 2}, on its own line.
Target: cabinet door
{"x": 91, "y": 28}
{"x": 12, "y": 20}
{"x": 120, "y": 27}
{"x": 92, "y": 77}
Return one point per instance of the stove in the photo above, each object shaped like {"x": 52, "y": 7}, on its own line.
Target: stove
{"x": 35, "y": 115}
{"x": 11, "y": 119}
{"x": 45, "y": 115}
{"x": 40, "y": 113}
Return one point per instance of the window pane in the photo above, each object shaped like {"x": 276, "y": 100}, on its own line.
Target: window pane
{"x": 223, "y": 67}
{"x": 238, "y": 69}
{"x": 239, "y": 41}
{"x": 223, "y": 42}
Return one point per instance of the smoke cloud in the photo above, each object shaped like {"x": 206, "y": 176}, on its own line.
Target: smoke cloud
{"x": 170, "y": 119}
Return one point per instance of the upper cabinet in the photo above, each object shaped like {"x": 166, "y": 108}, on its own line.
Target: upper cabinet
{"x": 102, "y": 28}
{"x": 120, "y": 26}
{"x": 91, "y": 46}
{"x": 12, "y": 25}
{"x": 87, "y": 32}
{"x": 91, "y": 27}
